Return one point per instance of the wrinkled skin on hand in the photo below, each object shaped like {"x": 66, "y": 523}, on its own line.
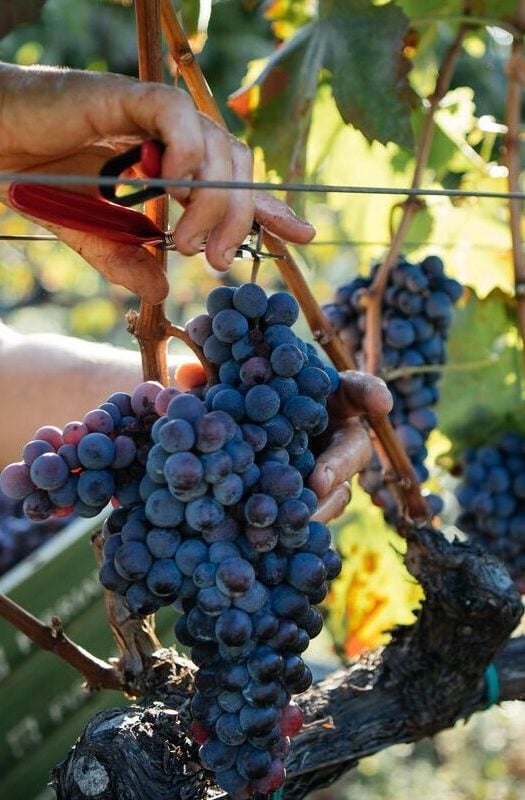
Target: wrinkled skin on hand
{"x": 345, "y": 449}
{"x": 84, "y": 118}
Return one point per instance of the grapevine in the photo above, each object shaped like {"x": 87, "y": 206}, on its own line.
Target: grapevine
{"x": 213, "y": 517}
{"x": 210, "y": 514}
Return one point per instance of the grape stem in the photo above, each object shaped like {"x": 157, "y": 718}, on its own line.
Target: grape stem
{"x": 512, "y": 150}
{"x": 392, "y": 455}
{"x": 178, "y": 332}
{"x": 136, "y": 638}
{"x": 182, "y": 54}
{"x": 374, "y": 297}
{"x": 149, "y": 325}
{"x": 98, "y": 674}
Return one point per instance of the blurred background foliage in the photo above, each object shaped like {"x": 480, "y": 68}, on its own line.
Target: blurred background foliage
{"x": 279, "y": 72}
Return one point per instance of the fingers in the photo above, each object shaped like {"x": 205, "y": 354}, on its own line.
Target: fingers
{"x": 236, "y": 224}
{"x": 348, "y": 452}
{"x": 360, "y": 393}
{"x": 280, "y": 220}
{"x": 333, "y": 505}
{"x": 223, "y": 217}
{"x": 135, "y": 268}
{"x": 206, "y": 208}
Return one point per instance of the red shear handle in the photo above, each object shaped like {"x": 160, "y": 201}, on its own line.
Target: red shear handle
{"x": 149, "y": 156}
{"x": 84, "y": 213}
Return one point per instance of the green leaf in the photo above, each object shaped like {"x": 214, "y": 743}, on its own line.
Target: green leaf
{"x": 278, "y": 104}
{"x": 356, "y": 48}
{"x": 482, "y": 390}
{"x": 368, "y": 70}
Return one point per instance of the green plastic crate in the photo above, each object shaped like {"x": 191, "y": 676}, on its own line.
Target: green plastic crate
{"x": 43, "y": 707}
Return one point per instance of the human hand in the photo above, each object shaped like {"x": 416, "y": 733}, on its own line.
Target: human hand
{"x": 83, "y": 118}
{"x": 345, "y": 449}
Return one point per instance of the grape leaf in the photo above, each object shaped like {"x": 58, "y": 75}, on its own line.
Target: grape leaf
{"x": 278, "y": 104}
{"x": 374, "y": 591}
{"x": 482, "y": 390}
{"x": 353, "y": 46}
{"x": 369, "y": 73}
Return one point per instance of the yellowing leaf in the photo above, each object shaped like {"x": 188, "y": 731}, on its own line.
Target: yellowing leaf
{"x": 374, "y": 592}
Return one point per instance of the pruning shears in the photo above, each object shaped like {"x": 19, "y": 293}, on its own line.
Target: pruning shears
{"x": 109, "y": 215}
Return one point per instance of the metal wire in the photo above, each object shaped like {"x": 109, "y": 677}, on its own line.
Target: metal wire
{"x": 319, "y": 188}
{"x": 29, "y": 237}
{"x": 321, "y": 243}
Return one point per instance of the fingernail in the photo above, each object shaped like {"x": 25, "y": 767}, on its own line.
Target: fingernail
{"x": 329, "y": 476}
{"x": 197, "y": 244}
{"x": 229, "y": 255}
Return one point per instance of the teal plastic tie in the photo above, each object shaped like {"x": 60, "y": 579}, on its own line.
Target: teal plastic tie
{"x": 278, "y": 795}
{"x": 491, "y": 686}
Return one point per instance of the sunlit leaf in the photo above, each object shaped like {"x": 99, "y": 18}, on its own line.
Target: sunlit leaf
{"x": 483, "y": 386}
{"x": 278, "y": 104}
{"x": 354, "y": 46}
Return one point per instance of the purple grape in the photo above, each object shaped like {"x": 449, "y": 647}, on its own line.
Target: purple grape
{"x": 198, "y": 329}
{"x": 164, "y": 510}
{"x": 96, "y": 451}
{"x": 49, "y": 471}
{"x": 15, "y": 481}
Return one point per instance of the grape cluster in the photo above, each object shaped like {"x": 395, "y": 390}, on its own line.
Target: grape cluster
{"x": 91, "y": 461}
{"x": 492, "y": 499}
{"x": 213, "y": 517}
{"x": 223, "y": 530}
{"x": 417, "y": 311}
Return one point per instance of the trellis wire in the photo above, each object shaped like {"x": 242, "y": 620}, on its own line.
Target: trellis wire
{"x": 37, "y": 237}
{"x": 318, "y": 188}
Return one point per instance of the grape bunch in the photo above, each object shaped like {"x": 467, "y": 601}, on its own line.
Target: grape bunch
{"x": 224, "y": 532}
{"x": 91, "y": 461}
{"x": 417, "y": 311}
{"x": 214, "y": 517}
{"x": 492, "y": 500}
